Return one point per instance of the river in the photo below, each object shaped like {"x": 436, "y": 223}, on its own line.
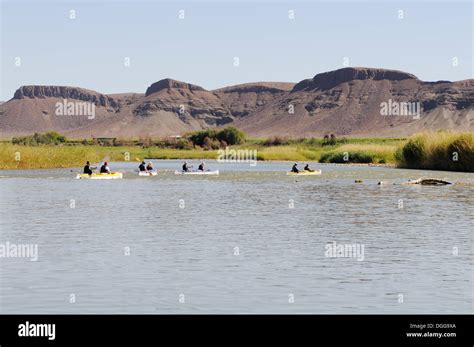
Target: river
{"x": 251, "y": 240}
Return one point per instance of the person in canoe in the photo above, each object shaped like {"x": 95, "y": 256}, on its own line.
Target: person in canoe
{"x": 306, "y": 168}
{"x": 88, "y": 168}
{"x": 186, "y": 167}
{"x": 142, "y": 167}
{"x": 149, "y": 167}
{"x": 201, "y": 167}
{"x": 295, "y": 169}
{"x": 105, "y": 168}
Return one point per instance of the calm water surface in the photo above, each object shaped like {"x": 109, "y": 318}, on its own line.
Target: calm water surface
{"x": 280, "y": 224}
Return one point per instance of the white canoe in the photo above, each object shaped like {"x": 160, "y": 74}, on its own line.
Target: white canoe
{"x": 216, "y": 172}
{"x": 100, "y": 176}
{"x": 147, "y": 174}
{"x": 305, "y": 173}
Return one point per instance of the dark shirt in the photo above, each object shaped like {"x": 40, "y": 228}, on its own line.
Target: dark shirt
{"x": 87, "y": 170}
{"x": 103, "y": 169}
{"x": 201, "y": 167}
{"x": 142, "y": 167}
{"x": 149, "y": 168}
{"x": 294, "y": 169}
{"x": 185, "y": 167}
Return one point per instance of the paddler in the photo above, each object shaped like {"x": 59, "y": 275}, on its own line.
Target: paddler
{"x": 141, "y": 167}
{"x": 201, "y": 167}
{"x": 185, "y": 166}
{"x": 149, "y": 167}
{"x": 294, "y": 168}
{"x": 306, "y": 168}
{"x": 88, "y": 168}
{"x": 105, "y": 168}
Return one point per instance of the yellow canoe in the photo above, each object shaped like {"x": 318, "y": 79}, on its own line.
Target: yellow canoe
{"x": 100, "y": 176}
{"x": 305, "y": 173}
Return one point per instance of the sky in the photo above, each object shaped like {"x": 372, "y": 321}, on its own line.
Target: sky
{"x": 42, "y": 45}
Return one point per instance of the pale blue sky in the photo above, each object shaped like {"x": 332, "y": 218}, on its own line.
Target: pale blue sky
{"x": 89, "y": 51}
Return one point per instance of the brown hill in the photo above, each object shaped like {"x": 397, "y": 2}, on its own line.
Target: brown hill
{"x": 343, "y": 102}
{"x": 348, "y": 102}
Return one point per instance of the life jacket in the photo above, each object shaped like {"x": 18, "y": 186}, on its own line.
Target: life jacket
{"x": 87, "y": 170}
{"x": 103, "y": 169}
{"x": 142, "y": 167}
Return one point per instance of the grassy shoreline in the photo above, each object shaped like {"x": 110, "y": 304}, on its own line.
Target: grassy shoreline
{"x": 433, "y": 151}
{"x": 65, "y": 156}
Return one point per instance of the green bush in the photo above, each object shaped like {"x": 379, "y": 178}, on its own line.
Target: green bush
{"x": 339, "y": 157}
{"x": 414, "y": 151}
{"x": 230, "y": 136}
{"x": 210, "y": 144}
{"x": 275, "y": 141}
{"x": 183, "y": 144}
{"x": 438, "y": 151}
{"x": 329, "y": 140}
{"x": 198, "y": 137}
{"x": 49, "y": 138}
{"x": 460, "y": 153}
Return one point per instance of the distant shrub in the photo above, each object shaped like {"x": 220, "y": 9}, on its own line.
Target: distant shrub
{"x": 275, "y": 141}
{"x": 345, "y": 157}
{"x": 210, "y": 144}
{"x": 197, "y": 137}
{"x": 183, "y": 144}
{"x": 329, "y": 140}
{"x": 146, "y": 142}
{"x": 230, "y": 135}
{"x": 49, "y": 138}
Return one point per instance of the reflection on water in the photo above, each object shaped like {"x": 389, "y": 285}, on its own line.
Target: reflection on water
{"x": 248, "y": 241}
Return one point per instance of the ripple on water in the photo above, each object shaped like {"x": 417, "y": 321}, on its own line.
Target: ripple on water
{"x": 242, "y": 243}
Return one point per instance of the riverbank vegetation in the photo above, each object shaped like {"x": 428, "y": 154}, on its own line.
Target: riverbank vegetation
{"x": 435, "y": 151}
{"x": 438, "y": 151}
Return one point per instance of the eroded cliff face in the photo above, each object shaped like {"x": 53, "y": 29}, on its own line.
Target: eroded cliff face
{"x": 344, "y": 102}
{"x": 330, "y": 79}
{"x": 65, "y": 93}
{"x": 169, "y": 83}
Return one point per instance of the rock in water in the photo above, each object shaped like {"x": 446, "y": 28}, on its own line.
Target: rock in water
{"x": 429, "y": 182}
